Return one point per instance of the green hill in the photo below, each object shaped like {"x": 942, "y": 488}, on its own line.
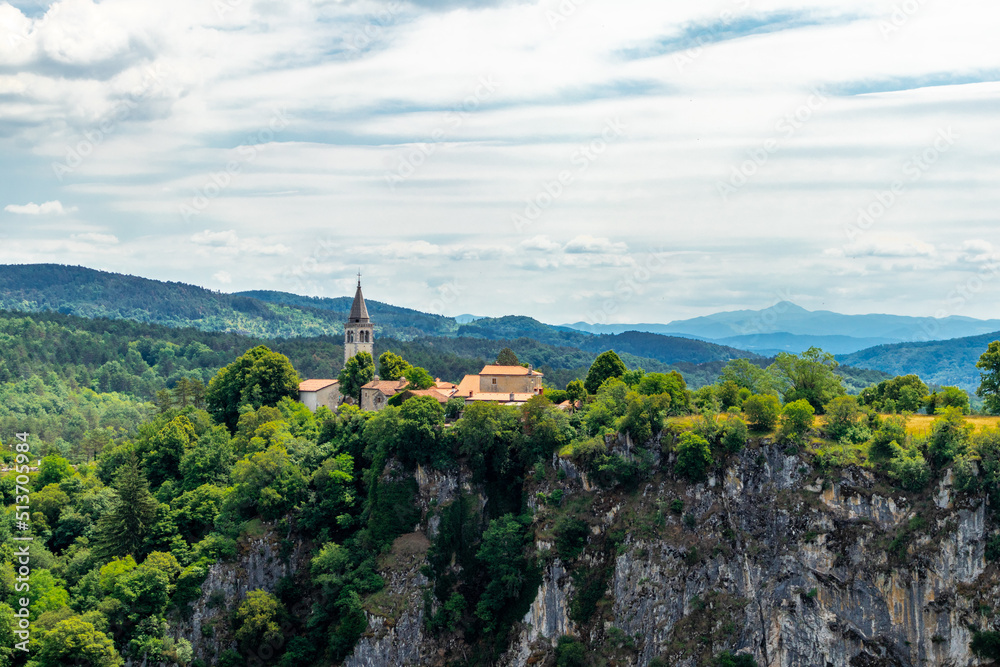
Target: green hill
{"x": 943, "y": 362}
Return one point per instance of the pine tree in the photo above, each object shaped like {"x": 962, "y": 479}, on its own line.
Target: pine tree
{"x": 123, "y": 529}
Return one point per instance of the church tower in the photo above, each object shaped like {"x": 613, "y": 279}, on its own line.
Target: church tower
{"x": 359, "y": 333}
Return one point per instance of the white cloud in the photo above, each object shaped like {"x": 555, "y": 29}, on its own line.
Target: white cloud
{"x": 217, "y": 239}
{"x": 46, "y": 208}
{"x": 222, "y": 277}
{"x": 589, "y": 244}
{"x": 541, "y": 244}
{"x": 94, "y": 237}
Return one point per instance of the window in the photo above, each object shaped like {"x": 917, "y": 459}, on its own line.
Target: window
{"x": 494, "y": 380}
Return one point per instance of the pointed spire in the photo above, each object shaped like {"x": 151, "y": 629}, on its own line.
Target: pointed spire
{"x": 359, "y": 311}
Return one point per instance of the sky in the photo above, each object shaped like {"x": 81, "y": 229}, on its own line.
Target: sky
{"x": 571, "y": 160}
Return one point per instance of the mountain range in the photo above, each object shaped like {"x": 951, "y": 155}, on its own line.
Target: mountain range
{"x": 791, "y": 328}
{"x": 698, "y": 347}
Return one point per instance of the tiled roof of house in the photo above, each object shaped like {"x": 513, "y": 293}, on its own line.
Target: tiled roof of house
{"x": 507, "y": 370}
{"x": 468, "y": 385}
{"x": 439, "y": 395}
{"x": 387, "y": 387}
{"x": 315, "y": 385}
{"x": 498, "y": 396}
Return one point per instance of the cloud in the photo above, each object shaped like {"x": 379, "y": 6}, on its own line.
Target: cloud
{"x": 890, "y": 246}
{"x": 540, "y": 244}
{"x": 46, "y": 208}
{"x": 222, "y": 277}
{"x": 94, "y": 237}
{"x": 216, "y": 239}
{"x": 594, "y": 245}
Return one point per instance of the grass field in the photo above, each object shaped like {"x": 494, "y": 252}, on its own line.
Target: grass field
{"x": 921, "y": 424}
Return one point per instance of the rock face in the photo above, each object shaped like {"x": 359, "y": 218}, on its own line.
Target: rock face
{"x": 259, "y": 565}
{"x": 771, "y": 557}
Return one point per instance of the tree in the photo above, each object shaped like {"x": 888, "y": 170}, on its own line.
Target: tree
{"x": 391, "y": 366}
{"x": 74, "y": 641}
{"x": 501, "y": 556}
{"x": 744, "y": 374}
{"x": 133, "y": 511}
{"x": 420, "y": 426}
{"x": 796, "y": 418}
{"x": 575, "y": 391}
{"x": 694, "y": 457}
{"x": 947, "y": 397}
{"x": 506, "y": 357}
{"x": 989, "y": 385}
{"x": 671, "y": 383}
{"x": 761, "y": 411}
{"x": 357, "y": 372}
{"x": 606, "y": 365}
{"x": 842, "y": 413}
{"x": 809, "y": 376}
{"x": 52, "y": 470}
{"x": 950, "y": 436}
{"x": 259, "y": 377}
{"x": 418, "y": 378}
{"x": 258, "y": 617}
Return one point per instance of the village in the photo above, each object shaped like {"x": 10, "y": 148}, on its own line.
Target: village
{"x": 500, "y": 384}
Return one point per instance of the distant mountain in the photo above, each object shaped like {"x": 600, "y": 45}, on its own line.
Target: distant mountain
{"x": 771, "y": 343}
{"x": 834, "y": 332}
{"x": 944, "y": 362}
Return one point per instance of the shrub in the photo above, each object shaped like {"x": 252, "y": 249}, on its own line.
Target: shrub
{"x": 910, "y": 469}
{"x": 986, "y": 644}
{"x": 949, "y": 436}
{"x": 761, "y": 411}
{"x": 571, "y": 536}
{"x": 693, "y": 457}
{"x": 734, "y": 434}
{"x": 676, "y": 505}
{"x": 993, "y": 549}
{"x": 569, "y": 652}
{"x": 842, "y": 413}
{"x": 893, "y": 429}
{"x": 727, "y": 659}
{"x": 796, "y": 419}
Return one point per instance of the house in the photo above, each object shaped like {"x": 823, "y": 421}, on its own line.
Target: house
{"x": 314, "y": 393}
{"x": 376, "y": 394}
{"x": 501, "y": 384}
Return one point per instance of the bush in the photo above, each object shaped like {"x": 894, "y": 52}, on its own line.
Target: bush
{"x": 949, "y": 436}
{"x": 734, "y": 435}
{"x": 761, "y": 411}
{"x": 842, "y": 413}
{"x": 569, "y": 652}
{"x": 693, "y": 457}
{"x": 727, "y": 659}
{"x": 910, "y": 469}
{"x": 571, "y": 536}
{"x": 893, "y": 429}
{"x": 986, "y": 644}
{"x": 796, "y": 419}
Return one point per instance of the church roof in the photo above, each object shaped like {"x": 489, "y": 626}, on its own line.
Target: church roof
{"x": 359, "y": 311}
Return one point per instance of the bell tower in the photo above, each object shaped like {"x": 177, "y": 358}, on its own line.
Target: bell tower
{"x": 359, "y": 333}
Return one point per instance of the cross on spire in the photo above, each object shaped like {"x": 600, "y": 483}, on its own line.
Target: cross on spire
{"x": 359, "y": 277}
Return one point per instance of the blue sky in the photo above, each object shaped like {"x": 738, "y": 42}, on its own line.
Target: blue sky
{"x": 565, "y": 159}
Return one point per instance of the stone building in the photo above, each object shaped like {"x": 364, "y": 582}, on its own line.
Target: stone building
{"x": 359, "y": 332}
{"x": 501, "y": 384}
{"x": 314, "y": 393}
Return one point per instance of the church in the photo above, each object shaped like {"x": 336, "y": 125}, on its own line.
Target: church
{"x": 359, "y": 336}
{"x": 507, "y": 385}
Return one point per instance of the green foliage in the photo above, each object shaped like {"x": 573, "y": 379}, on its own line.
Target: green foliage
{"x": 746, "y": 375}
{"x": 453, "y": 408}
{"x": 950, "y": 436}
{"x": 903, "y": 393}
{"x": 989, "y": 382}
{"x": 947, "y": 397}
{"x": 733, "y": 434}
{"x": 728, "y": 394}
{"x": 607, "y": 365}
{"x": 986, "y": 644}
{"x": 644, "y": 415}
{"x": 418, "y": 378}
{"x": 694, "y": 457}
{"x": 909, "y": 469}
{"x": 391, "y": 366}
{"x": 421, "y": 419}
{"x": 52, "y": 470}
{"x": 257, "y": 621}
{"x": 570, "y": 652}
{"x": 258, "y": 377}
{"x": 890, "y": 433}
{"x": 842, "y": 413}
{"x": 809, "y": 376}
{"x": 672, "y": 384}
{"x": 796, "y": 419}
{"x": 123, "y": 529}
{"x": 727, "y": 659}
{"x": 357, "y": 372}
{"x": 391, "y": 511}
{"x": 576, "y": 391}
{"x": 570, "y": 536}
{"x": 506, "y": 357}
{"x": 268, "y": 483}
{"x": 502, "y": 557}
{"x": 74, "y": 641}
{"x": 761, "y": 411}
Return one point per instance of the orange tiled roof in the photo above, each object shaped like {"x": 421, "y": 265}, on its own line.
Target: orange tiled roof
{"x": 507, "y": 370}
{"x": 387, "y": 387}
{"x": 498, "y": 396}
{"x": 468, "y": 385}
{"x": 437, "y": 394}
{"x": 315, "y": 385}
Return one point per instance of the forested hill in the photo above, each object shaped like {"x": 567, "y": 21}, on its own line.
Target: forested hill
{"x": 76, "y": 290}
{"x": 945, "y": 362}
